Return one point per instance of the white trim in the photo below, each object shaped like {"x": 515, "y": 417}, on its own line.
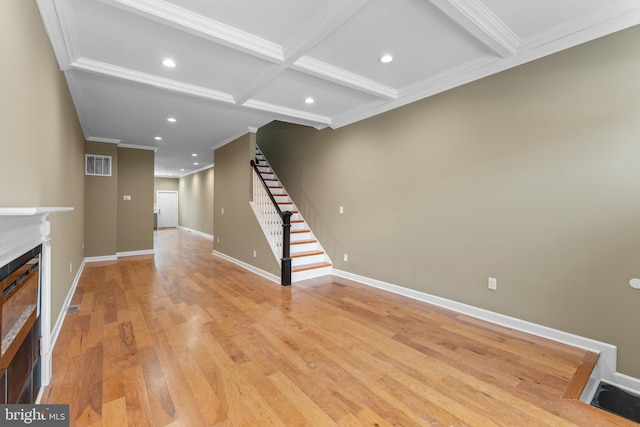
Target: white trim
{"x": 286, "y": 111}
{"x": 101, "y": 258}
{"x": 196, "y": 232}
{"x": 478, "y": 20}
{"x": 204, "y": 168}
{"x": 105, "y": 140}
{"x": 103, "y": 68}
{"x": 138, "y": 147}
{"x": 201, "y": 26}
{"x": 605, "y": 369}
{"x": 135, "y": 253}
{"x": 346, "y": 78}
{"x": 249, "y": 267}
{"x": 54, "y": 31}
{"x": 67, "y": 302}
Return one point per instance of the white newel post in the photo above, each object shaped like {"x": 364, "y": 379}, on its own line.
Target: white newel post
{"x": 22, "y": 229}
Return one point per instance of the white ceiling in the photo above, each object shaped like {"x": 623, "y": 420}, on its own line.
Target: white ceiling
{"x": 244, "y": 63}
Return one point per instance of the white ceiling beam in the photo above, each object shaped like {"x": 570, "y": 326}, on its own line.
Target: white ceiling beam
{"x": 346, "y": 78}
{"x": 315, "y": 119}
{"x": 104, "y": 69}
{"x": 265, "y": 76}
{"x": 320, "y": 26}
{"x": 198, "y": 25}
{"x": 480, "y": 22}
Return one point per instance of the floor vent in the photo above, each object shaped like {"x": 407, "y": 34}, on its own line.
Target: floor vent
{"x": 617, "y": 401}
{"x": 73, "y": 308}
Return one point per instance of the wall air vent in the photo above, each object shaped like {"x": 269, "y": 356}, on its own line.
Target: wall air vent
{"x": 97, "y": 165}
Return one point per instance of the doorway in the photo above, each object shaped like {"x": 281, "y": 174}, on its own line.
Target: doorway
{"x": 167, "y": 209}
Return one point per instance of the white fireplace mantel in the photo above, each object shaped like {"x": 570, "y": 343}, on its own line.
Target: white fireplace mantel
{"x": 22, "y": 229}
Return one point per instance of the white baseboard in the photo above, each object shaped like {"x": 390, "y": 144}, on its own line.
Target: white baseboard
{"x": 135, "y": 253}
{"x": 119, "y": 255}
{"x": 101, "y": 258}
{"x": 249, "y": 267}
{"x": 199, "y": 233}
{"x": 605, "y": 369}
{"x": 67, "y": 302}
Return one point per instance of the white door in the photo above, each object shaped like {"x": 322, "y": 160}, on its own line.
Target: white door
{"x": 167, "y": 209}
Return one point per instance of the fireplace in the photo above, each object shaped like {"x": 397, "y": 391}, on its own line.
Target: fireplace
{"x": 20, "y": 328}
{"x": 25, "y": 303}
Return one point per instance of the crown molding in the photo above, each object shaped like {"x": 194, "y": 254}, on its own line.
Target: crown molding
{"x": 105, "y": 140}
{"x": 590, "y": 27}
{"x": 54, "y": 31}
{"x": 346, "y": 78}
{"x": 193, "y": 23}
{"x": 97, "y": 67}
{"x": 138, "y": 147}
{"x": 479, "y": 21}
{"x": 623, "y": 16}
{"x": 289, "y": 112}
{"x": 67, "y": 24}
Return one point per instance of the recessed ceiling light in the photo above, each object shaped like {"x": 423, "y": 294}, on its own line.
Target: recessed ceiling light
{"x": 195, "y": 164}
{"x": 181, "y": 170}
{"x": 170, "y": 63}
{"x": 194, "y": 155}
{"x": 171, "y": 119}
{"x": 385, "y": 59}
{"x": 158, "y": 138}
{"x": 309, "y": 100}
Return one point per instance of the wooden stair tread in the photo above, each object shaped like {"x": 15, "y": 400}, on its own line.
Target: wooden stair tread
{"x": 310, "y": 266}
{"x": 297, "y": 221}
{"x": 302, "y": 242}
{"x": 306, "y": 253}
{"x": 300, "y": 231}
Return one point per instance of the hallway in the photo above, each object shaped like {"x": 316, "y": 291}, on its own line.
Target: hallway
{"x": 184, "y": 338}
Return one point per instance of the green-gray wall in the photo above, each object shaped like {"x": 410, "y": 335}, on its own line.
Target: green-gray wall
{"x": 135, "y": 216}
{"x": 195, "y": 201}
{"x": 41, "y": 142}
{"x": 530, "y": 176}
{"x": 113, "y": 224}
{"x": 236, "y": 231}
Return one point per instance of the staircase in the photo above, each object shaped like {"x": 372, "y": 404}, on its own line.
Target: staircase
{"x": 308, "y": 259}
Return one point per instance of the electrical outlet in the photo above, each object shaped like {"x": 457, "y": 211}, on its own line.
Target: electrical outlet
{"x": 341, "y": 209}
{"x": 70, "y": 267}
{"x": 218, "y": 240}
{"x": 493, "y": 283}
{"x": 254, "y": 253}
{"x": 222, "y": 211}
{"x": 346, "y": 257}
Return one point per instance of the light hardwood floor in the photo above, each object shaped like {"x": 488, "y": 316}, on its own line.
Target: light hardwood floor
{"x": 188, "y": 339}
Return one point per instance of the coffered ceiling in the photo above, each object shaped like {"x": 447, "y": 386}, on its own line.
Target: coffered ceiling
{"x": 243, "y": 63}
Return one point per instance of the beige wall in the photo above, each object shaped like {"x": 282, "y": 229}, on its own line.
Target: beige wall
{"x": 531, "y": 176}
{"x": 196, "y": 201}
{"x": 163, "y": 184}
{"x": 237, "y": 232}
{"x": 135, "y": 216}
{"x": 101, "y": 205}
{"x": 40, "y": 135}
{"x": 113, "y": 224}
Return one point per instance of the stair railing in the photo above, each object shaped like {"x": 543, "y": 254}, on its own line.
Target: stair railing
{"x": 276, "y": 223}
